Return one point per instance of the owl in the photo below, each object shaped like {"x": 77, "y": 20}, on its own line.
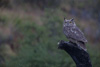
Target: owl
{"x": 74, "y": 34}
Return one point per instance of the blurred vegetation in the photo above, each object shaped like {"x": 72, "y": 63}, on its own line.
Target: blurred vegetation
{"x": 40, "y": 3}
{"x": 29, "y": 39}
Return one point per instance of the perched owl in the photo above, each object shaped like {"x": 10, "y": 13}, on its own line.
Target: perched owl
{"x": 73, "y": 33}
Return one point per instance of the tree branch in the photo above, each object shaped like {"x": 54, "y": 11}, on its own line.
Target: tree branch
{"x": 80, "y": 56}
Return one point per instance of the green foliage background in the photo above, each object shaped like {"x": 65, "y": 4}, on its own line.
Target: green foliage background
{"x": 38, "y": 47}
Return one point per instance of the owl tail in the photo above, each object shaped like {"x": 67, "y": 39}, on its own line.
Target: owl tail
{"x": 82, "y": 45}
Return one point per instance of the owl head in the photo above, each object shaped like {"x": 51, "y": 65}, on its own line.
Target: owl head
{"x": 69, "y": 22}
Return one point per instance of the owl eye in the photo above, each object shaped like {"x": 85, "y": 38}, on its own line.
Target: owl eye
{"x": 70, "y": 21}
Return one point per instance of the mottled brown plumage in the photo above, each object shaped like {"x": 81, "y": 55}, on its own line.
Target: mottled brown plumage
{"x": 73, "y": 33}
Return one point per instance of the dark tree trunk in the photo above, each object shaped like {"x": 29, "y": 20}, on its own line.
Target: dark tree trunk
{"x": 80, "y": 57}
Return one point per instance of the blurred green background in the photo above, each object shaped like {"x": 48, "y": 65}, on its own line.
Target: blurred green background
{"x": 31, "y": 29}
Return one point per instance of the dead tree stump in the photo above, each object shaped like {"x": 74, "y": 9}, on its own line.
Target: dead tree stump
{"x": 80, "y": 57}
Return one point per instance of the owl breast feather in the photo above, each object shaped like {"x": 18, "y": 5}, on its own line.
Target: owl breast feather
{"x": 74, "y": 33}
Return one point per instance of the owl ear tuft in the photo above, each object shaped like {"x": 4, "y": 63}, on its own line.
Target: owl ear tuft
{"x": 64, "y": 18}
{"x": 72, "y": 19}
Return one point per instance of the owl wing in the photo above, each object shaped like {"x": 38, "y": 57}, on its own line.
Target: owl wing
{"x": 74, "y": 33}
{"x": 77, "y": 34}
